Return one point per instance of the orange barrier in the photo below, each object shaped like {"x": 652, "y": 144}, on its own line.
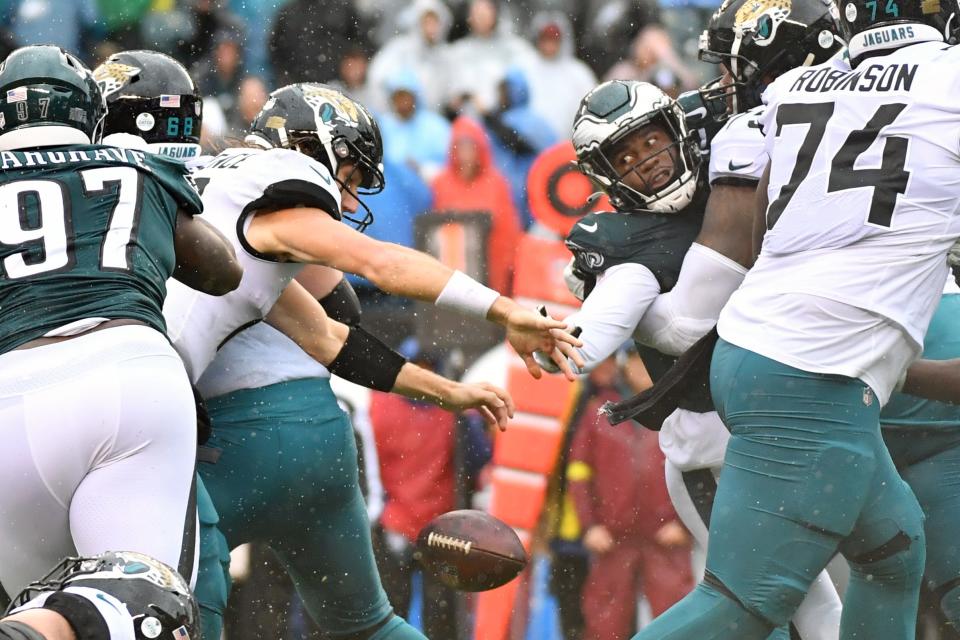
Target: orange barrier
{"x": 530, "y": 444}
{"x": 524, "y": 456}
{"x": 526, "y": 453}
{"x": 558, "y": 192}
{"x": 517, "y": 497}
{"x": 539, "y": 272}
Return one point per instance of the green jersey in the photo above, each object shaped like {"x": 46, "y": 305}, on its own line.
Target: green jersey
{"x": 658, "y": 241}
{"x": 86, "y": 231}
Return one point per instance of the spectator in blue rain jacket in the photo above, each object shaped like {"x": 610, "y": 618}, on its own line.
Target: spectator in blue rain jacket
{"x": 413, "y": 134}
{"x": 518, "y": 135}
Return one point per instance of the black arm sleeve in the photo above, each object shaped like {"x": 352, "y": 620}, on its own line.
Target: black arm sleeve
{"x": 365, "y": 360}
{"x": 342, "y": 304}
{"x": 18, "y": 631}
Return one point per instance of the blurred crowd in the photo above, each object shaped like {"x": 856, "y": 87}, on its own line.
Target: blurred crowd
{"x": 467, "y": 92}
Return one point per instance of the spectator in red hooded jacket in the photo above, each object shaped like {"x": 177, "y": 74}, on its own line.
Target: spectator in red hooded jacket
{"x": 470, "y": 183}
{"x": 636, "y": 541}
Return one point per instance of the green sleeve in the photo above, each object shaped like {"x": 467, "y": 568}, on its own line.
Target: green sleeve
{"x": 601, "y": 241}
{"x": 175, "y": 179}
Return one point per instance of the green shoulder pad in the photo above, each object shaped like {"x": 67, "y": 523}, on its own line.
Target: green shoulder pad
{"x": 659, "y": 242}
{"x": 175, "y": 178}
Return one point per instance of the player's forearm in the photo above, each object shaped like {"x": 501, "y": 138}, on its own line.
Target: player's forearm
{"x": 205, "y": 259}
{"x": 301, "y": 318}
{"x": 934, "y": 380}
{"x": 420, "y": 384}
{"x": 677, "y": 319}
{"x": 414, "y": 274}
{"x": 406, "y": 272}
{"x": 36, "y": 624}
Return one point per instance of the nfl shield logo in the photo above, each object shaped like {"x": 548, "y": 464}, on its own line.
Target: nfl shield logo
{"x": 867, "y": 396}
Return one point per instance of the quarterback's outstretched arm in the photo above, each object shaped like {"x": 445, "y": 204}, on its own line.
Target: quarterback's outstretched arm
{"x": 355, "y": 355}
{"x": 311, "y": 235}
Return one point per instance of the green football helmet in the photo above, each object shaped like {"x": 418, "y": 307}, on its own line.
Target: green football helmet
{"x": 48, "y": 98}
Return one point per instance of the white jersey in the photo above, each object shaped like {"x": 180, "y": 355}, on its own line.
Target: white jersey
{"x": 864, "y": 179}
{"x": 256, "y": 357}
{"x": 233, "y": 185}
{"x": 738, "y": 152}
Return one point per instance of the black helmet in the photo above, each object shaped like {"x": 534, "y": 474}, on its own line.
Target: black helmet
{"x": 156, "y": 597}
{"x": 888, "y": 24}
{"x": 323, "y": 123}
{"x": 757, "y": 40}
{"x": 48, "y": 97}
{"x": 152, "y": 96}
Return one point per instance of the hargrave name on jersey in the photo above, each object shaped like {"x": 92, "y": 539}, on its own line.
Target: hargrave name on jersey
{"x": 18, "y": 159}
{"x": 876, "y": 77}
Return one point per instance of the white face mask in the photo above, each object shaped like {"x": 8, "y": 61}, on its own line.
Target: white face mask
{"x": 178, "y": 150}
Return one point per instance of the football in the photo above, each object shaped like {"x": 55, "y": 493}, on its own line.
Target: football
{"x": 470, "y": 550}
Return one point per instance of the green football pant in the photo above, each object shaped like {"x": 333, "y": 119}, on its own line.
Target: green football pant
{"x": 212, "y": 575}
{"x": 288, "y": 477}
{"x": 924, "y": 441}
{"x": 806, "y": 475}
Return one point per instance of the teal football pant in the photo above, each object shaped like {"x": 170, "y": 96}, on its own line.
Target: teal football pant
{"x": 288, "y": 477}
{"x": 806, "y": 475}
{"x": 924, "y": 441}
{"x": 212, "y": 571}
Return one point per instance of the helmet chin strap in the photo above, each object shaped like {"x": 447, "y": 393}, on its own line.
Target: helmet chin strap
{"x": 734, "y": 55}
{"x": 257, "y": 141}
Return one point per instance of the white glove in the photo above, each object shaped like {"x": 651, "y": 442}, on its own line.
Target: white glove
{"x": 545, "y": 362}
{"x": 574, "y": 283}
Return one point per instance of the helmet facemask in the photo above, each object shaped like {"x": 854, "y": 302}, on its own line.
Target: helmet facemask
{"x": 335, "y": 153}
{"x": 757, "y": 42}
{"x": 674, "y": 194}
{"x": 326, "y": 125}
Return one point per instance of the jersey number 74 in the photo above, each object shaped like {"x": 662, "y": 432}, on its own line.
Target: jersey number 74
{"x": 889, "y": 180}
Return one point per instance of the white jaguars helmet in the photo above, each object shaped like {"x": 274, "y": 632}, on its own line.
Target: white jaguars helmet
{"x": 613, "y": 111}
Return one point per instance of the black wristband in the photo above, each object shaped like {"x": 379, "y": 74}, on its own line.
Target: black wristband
{"x": 342, "y": 304}
{"x": 82, "y": 615}
{"x": 367, "y": 361}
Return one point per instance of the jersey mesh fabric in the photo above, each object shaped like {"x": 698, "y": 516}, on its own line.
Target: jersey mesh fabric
{"x": 86, "y": 231}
